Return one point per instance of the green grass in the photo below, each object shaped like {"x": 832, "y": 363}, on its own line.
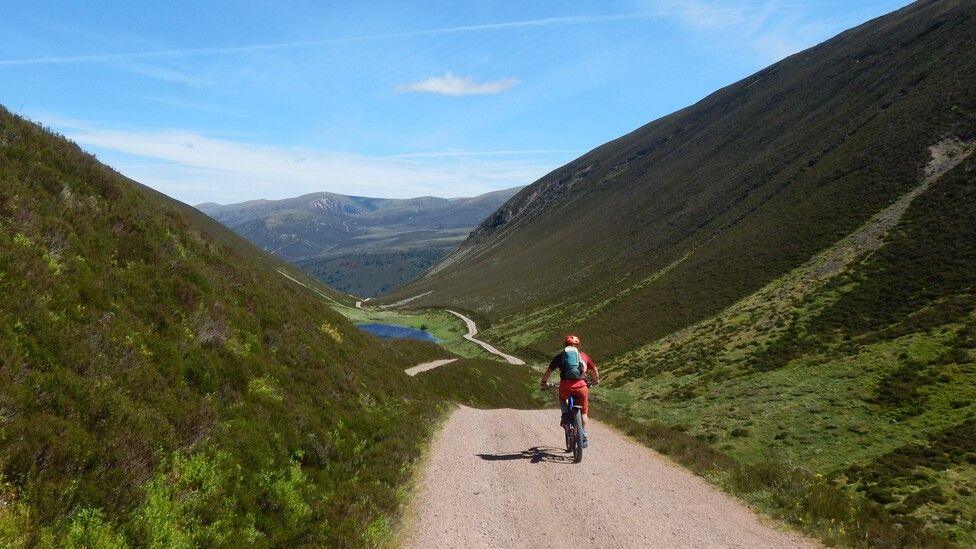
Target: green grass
{"x": 818, "y": 411}
{"x": 482, "y": 383}
{"x": 811, "y": 502}
{"x": 529, "y": 330}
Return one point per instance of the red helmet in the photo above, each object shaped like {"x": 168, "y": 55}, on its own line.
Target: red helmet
{"x": 572, "y": 340}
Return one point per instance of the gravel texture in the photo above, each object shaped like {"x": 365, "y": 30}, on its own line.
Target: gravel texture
{"x": 500, "y": 478}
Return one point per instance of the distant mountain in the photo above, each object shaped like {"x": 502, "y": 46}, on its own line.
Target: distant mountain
{"x": 785, "y": 270}
{"x": 359, "y": 245}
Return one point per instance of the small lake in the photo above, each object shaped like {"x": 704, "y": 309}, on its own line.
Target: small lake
{"x": 392, "y": 331}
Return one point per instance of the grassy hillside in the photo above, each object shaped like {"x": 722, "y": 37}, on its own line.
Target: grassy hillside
{"x": 676, "y": 221}
{"x": 162, "y": 383}
{"x": 356, "y": 244}
{"x": 860, "y": 365}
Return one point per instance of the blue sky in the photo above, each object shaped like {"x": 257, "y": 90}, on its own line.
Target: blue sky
{"x": 227, "y": 101}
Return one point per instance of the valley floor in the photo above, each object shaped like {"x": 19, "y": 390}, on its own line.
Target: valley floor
{"x": 452, "y": 332}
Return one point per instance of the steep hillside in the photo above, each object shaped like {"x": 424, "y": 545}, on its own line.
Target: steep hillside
{"x": 163, "y": 383}
{"x": 360, "y": 245}
{"x": 860, "y": 364}
{"x": 676, "y": 221}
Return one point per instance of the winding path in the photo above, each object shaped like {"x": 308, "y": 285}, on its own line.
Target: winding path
{"x": 497, "y": 478}
{"x": 473, "y": 331}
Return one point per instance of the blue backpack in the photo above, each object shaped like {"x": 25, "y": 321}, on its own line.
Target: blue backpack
{"x": 572, "y": 365}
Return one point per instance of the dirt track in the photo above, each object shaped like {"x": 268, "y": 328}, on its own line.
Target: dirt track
{"x": 473, "y": 331}
{"x": 428, "y": 366}
{"x": 498, "y": 478}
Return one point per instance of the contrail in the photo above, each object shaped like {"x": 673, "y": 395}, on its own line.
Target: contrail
{"x": 441, "y": 154}
{"x": 550, "y": 21}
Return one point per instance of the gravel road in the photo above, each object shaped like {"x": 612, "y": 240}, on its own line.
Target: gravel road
{"x": 498, "y": 478}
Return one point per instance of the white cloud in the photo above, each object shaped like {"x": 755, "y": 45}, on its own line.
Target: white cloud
{"x": 455, "y": 86}
{"x": 506, "y": 152}
{"x": 199, "y": 168}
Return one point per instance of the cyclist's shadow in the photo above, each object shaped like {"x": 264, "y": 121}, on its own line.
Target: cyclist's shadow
{"x": 536, "y": 454}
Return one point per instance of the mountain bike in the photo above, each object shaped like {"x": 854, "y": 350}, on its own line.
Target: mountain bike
{"x": 572, "y": 422}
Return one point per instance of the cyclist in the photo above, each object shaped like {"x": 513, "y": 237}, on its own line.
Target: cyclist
{"x": 573, "y": 365}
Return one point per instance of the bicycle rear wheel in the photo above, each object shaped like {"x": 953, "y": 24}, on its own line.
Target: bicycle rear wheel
{"x": 578, "y": 439}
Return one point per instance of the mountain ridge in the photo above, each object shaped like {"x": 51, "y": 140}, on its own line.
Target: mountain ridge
{"x": 358, "y": 244}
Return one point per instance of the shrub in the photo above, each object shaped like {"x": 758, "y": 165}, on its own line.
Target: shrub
{"x": 89, "y": 530}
